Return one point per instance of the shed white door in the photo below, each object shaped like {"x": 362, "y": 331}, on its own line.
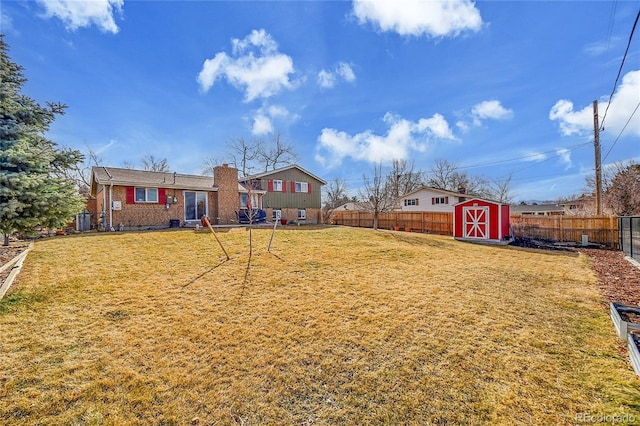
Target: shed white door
{"x": 475, "y": 222}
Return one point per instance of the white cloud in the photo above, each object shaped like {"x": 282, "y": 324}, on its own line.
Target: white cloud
{"x": 572, "y": 122}
{"x": 106, "y": 147}
{"x": 264, "y": 117}
{"x": 255, "y": 66}
{"x": 328, "y": 79}
{"x": 565, "y": 156}
{"x": 6, "y": 23}
{"x": 419, "y": 17}
{"x": 402, "y": 137}
{"x": 261, "y": 124}
{"x": 84, "y": 13}
{"x": 623, "y": 103}
{"x": 490, "y": 110}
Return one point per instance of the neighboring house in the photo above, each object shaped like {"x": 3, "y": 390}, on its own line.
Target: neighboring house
{"x": 134, "y": 199}
{"x": 536, "y": 210}
{"x": 585, "y": 204}
{"x": 350, "y": 207}
{"x": 428, "y": 199}
{"x": 290, "y": 192}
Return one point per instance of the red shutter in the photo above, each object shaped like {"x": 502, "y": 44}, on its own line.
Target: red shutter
{"x": 417, "y": 201}
{"x": 162, "y": 196}
{"x": 293, "y": 186}
{"x": 131, "y": 195}
{"x": 446, "y": 200}
{"x": 309, "y": 188}
{"x": 433, "y": 200}
{"x": 284, "y": 186}
{"x": 270, "y": 185}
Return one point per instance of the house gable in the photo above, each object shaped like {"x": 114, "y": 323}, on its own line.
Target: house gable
{"x": 427, "y": 199}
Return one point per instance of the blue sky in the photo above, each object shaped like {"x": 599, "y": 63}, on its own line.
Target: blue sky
{"x": 500, "y": 88}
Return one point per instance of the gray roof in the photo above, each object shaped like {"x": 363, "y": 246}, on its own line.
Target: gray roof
{"x": 130, "y": 177}
{"x": 535, "y": 208}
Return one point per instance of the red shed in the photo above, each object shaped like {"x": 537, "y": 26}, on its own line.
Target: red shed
{"x": 481, "y": 220}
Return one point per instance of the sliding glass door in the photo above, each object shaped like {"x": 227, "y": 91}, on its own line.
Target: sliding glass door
{"x": 195, "y": 205}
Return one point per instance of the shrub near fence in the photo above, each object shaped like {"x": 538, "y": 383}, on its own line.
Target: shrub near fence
{"x": 429, "y": 222}
{"x": 598, "y": 229}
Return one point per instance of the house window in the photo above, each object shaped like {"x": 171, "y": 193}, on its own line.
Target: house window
{"x": 146, "y": 195}
{"x": 302, "y": 187}
{"x": 277, "y": 185}
{"x": 302, "y": 214}
{"x": 277, "y": 214}
{"x": 440, "y": 200}
{"x": 255, "y": 201}
{"x": 411, "y": 202}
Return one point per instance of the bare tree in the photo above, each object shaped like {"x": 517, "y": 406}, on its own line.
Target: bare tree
{"x": 249, "y": 156}
{"x": 335, "y": 195}
{"x": 152, "y": 164}
{"x": 80, "y": 172}
{"x": 377, "y": 195}
{"x": 208, "y": 164}
{"x": 446, "y": 175}
{"x": 622, "y": 195}
{"x": 496, "y": 190}
{"x": 243, "y": 153}
{"x": 403, "y": 178}
{"x": 277, "y": 154}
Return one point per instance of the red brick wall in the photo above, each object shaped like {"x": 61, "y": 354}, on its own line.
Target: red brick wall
{"x": 226, "y": 179}
{"x": 143, "y": 215}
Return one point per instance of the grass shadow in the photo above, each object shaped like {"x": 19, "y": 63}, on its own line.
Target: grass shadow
{"x": 204, "y": 273}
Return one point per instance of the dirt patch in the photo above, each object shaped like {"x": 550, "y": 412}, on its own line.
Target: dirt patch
{"x": 618, "y": 279}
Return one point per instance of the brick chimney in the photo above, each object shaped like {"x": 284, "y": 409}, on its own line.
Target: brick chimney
{"x": 462, "y": 190}
{"x": 225, "y": 178}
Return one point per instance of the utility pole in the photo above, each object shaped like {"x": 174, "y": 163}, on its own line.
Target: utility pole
{"x": 596, "y": 146}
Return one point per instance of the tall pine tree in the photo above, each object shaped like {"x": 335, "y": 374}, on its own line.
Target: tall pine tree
{"x": 33, "y": 189}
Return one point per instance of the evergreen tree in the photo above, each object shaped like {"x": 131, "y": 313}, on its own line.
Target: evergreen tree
{"x": 33, "y": 187}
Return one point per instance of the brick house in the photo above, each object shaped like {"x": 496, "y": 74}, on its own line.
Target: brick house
{"x": 291, "y": 192}
{"x": 136, "y": 199}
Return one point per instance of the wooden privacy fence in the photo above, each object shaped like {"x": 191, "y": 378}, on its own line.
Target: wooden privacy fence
{"x": 598, "y": 230}
{"x": 429, "y": 222}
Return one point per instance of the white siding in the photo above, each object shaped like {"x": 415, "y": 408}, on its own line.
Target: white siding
{"x": 425, "y": 197}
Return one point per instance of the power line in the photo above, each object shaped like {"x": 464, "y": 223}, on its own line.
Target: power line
{"x": 621, "y": 131}
{"x": 555, "y": 152}
{"x": 615, "y": 84}
{"x": 524, "y": 157}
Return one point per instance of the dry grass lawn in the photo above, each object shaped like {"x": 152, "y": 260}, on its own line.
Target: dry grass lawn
{"x": 335, "y": 326}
